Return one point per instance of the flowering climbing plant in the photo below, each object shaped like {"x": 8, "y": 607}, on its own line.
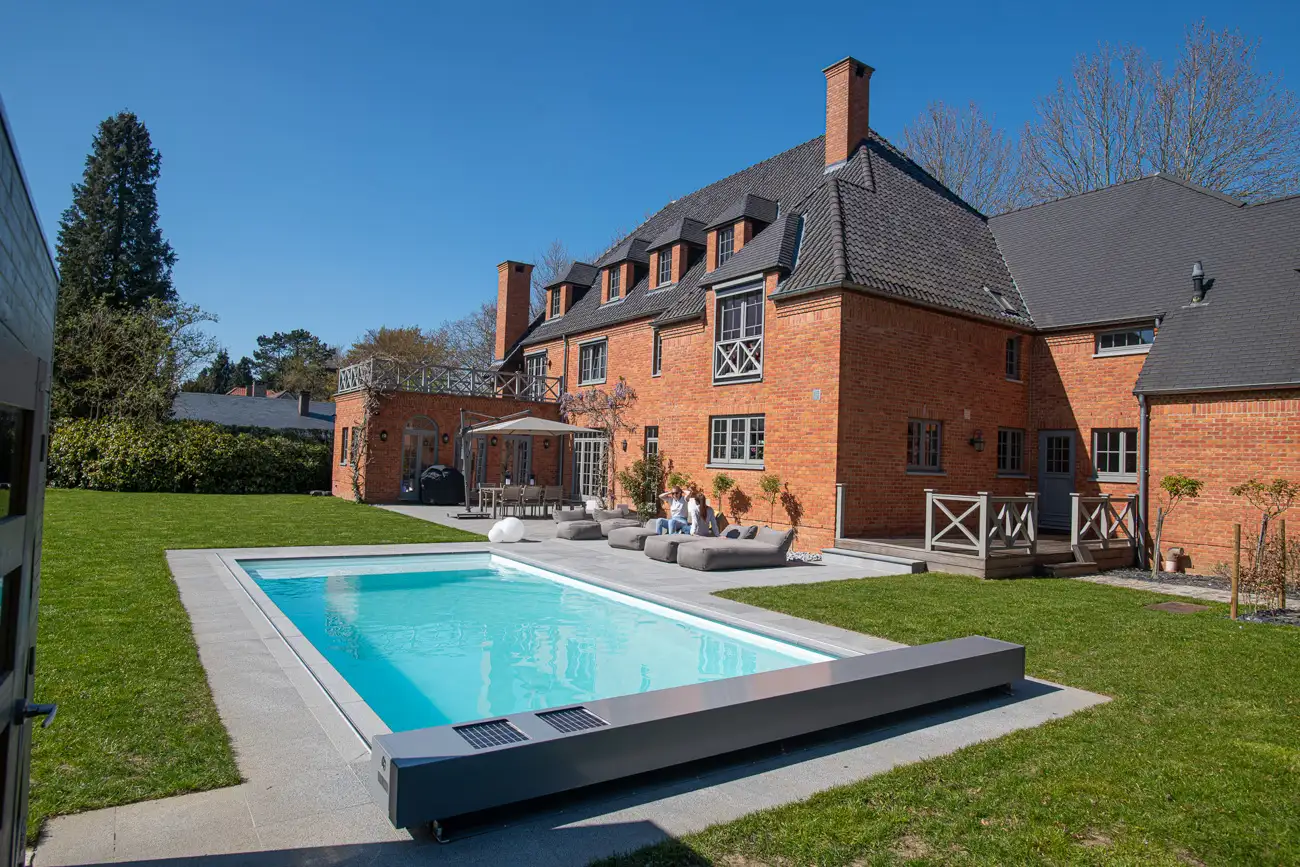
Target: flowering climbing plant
{"x": 603, "y": 410}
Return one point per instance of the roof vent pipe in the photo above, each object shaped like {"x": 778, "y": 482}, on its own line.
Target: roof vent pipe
{"x": 1198, "y": 283}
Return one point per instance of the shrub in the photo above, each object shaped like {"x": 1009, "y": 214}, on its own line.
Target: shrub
{"x": 184, "y": 457}
{"x": 643, "y": 481}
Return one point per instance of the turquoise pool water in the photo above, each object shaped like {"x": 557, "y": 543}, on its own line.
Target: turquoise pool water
{"x": 447, "y": 638}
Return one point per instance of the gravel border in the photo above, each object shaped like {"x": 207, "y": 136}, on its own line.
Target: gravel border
{"x": 1187, "y": 578}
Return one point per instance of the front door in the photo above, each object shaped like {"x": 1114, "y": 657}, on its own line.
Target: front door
{"x": 419, "y": 452}
{"x": 589, "y": 465}
{"x": 1055, "y": 478}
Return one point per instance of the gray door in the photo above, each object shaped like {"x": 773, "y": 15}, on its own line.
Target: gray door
{"x": 1055, "y": 478}
{"x": 518, "y": 459}
{"x": 27, "y": 294}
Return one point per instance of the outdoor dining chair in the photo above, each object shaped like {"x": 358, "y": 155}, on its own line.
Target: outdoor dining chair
{"x": 531, "y": 500}
{"x": 552, "y": 497}
{"x": 511, "y": 499}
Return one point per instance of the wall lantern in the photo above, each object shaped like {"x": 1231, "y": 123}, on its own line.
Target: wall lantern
{"x": 446, "y": 438}
{"x": 494, "y": 441}
{"x": 546, "y": 444}
{"x": 624, "y": 445}
{"x": 977, "y": 440}
{"x": 383, "y": 436}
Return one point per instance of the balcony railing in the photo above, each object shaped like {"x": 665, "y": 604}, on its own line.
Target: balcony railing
{"x": 387, "y": 375}
{"x": 1109, "y": 522}
{"x": 734, "y": 359}
{"x": 981, "y": 524}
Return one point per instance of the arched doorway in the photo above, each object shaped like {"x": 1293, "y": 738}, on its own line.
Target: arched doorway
{"x": 419, "y": 452}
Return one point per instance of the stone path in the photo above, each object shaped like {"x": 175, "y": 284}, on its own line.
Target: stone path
{"x": 1193, "y": 591}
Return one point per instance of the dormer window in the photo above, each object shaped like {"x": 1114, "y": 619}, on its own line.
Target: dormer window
{"x": 555, "y": 301}
{"x": 665, "y": 267}
{"x": 726, "y": 244}
{"x": 615, "y": 282}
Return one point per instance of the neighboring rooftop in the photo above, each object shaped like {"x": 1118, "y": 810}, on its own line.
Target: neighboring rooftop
{"x": 265, "y": 412}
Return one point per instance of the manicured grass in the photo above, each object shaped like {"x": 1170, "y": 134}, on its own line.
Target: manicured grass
{"x": 114, "y": 647}
{"x": 1196, "y": 760}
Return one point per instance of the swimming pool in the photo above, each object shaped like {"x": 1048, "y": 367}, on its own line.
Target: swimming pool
{"x": 432, "y": 639}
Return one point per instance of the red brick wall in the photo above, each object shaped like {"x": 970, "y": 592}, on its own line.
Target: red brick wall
{"x": 902, "y": 363}
{"x": 514, "y": 295}
{"x": 1072, "y": 390}
{"x": 848, "y": 104}
{"x": 1223, "y": 439}
{"x": 382, "y": 474}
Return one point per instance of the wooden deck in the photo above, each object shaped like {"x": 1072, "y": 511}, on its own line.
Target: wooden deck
{"x": 1052, "y": 550}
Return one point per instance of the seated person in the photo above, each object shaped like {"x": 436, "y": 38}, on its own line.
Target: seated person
{"x": 678, "y": 520}
{"x": 703, "y": 521}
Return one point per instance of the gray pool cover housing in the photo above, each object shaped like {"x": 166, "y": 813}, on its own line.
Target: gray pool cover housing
{"x": 435, "y": 774}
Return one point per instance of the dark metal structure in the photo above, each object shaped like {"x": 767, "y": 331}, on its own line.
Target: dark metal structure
{"x": 435, "y": 774}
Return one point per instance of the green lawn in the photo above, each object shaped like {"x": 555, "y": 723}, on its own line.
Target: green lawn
{"x": 136, "y": 719}
{"x": 1195, "y": 761}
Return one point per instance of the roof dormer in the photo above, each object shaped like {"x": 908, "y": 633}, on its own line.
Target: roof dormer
{"x": 729, "y": 232}
{"x": 622, "y": 267}
{"x": 674, "y": 251}
{"x": 565, "y": 292}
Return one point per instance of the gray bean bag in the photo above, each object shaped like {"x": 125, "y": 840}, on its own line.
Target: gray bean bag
{"x": 768, "y": 548}
{"x": 609, "y": 525}
{"x": 739, "y": 531}
{"x": 563, "y": 515}
{"x": 578, "y": 530}
{"x": 621, "y": 511}
{"x": 630, "y": 538}
{"x": 664, "y": 548}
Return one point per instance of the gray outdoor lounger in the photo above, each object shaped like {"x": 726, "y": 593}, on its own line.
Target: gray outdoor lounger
{"x": 768, "y": 548}
{"x": 630, "y": 538}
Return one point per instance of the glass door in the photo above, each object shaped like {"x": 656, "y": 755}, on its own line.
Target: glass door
{"x": 519, "y": 459}
{"x": 589, "y": 465}
{"x": 419, "y": 452}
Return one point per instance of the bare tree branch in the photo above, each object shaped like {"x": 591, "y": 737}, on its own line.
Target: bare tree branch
{"x": 552, "y": 266}
{"x": 968, "y": 155}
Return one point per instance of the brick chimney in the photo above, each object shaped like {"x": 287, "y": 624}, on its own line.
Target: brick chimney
{"x": 304, "y": 403}
{"x": 514, "y": 294}
{"x": 848, "y": 100}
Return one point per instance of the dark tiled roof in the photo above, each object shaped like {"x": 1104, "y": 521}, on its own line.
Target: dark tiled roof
{"x": 629, "y": 249}
{"x": 747, "y": 205}
{"x": 774, "y": 247}
{"x": 682, "y": 229}
{"x": 878, "y": 222}
{"x": 1126, "y": 253}
{"x": 237, "y": 411}
{"x": 579, "y": 274}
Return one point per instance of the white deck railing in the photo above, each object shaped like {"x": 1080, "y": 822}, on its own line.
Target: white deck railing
{"x": 1104, "y": 520}
{"x": 736, "y": 358}
{"x": 387, "y": 375}
{"x": 981, "y": 524}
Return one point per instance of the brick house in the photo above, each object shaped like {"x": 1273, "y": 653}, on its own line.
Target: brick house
{"x": 837, "y": 318}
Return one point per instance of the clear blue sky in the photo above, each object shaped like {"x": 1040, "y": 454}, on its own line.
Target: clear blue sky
{"x": 341, "y": 165}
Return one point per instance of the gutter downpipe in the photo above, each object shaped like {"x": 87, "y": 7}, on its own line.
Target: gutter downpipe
{"x": 564, "y": 384}
{"x": 1144, "y": 457}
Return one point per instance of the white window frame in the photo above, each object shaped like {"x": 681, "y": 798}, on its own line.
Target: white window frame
{"x": 739, "y": 358}
{"x": 343, "y": 447}
{"x": 721, "y": 256}
{"x": 657, "y": 353}
{"x": 1145, "y": 337}
{"x": 919, "y": 447}
{"x": 651, "y": 438}
{"x": 615, "y": 283}
{"x": 555, "y": 303}
{"x": 587, "y": 370}
{"x": 723, "y": 445}
{"x": 1126, "y": 447}
{"x": 1014, "y": 360}
{"x": 1011, "y": 451}
{"x": 665, "y": 259}
{"x": 535, "y": 386}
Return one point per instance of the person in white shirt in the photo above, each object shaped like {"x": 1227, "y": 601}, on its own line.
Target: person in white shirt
{"x": 703, "y": 521}
{"x": 678, "y": 519}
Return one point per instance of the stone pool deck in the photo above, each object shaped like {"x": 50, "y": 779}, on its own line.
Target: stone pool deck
{"x": 303, "y": 800}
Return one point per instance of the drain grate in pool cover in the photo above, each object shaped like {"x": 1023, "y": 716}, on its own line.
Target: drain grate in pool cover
{"x": 480, "y": 736}
{"x": 573, "y": 719}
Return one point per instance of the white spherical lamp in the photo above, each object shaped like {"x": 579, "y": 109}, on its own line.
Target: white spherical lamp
{"x": 512, "y": 530}
{"x": 495, "y": 534}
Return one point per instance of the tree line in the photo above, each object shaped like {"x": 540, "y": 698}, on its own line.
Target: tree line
{"x": 1211, "y": 117}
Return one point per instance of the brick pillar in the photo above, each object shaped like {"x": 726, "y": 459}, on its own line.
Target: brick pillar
{"x": 514, "y": 294}
{"x": 848, "y": 101}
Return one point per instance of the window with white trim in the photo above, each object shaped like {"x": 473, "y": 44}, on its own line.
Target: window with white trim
{"x": 651, "y": 439}
{"x": 343, "y": 447}
{"x": 555, "y": 301}
{"x": 591, "y": 363}
{"x": 535, "y": 370}
{"x": 665, "y": 266}
{"x": 738, "y": 336}
{"x": 1114, "y": 454}
{"x": 726, "y": 244}
{"x": 615, "y": 282}
{"x": 1124, "y": 342}
{"x": 1013, "y": 358}
{"x": 924, "y": 446}
{"x": 1011, "y": 451}
{"x": 657, "y": 355}
{"x": 737, "y": 440}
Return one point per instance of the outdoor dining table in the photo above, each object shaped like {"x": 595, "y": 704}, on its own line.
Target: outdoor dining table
{"x": 493, "y": 496}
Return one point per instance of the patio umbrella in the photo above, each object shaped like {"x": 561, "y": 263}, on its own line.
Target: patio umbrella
{"x": 523, "y": 425}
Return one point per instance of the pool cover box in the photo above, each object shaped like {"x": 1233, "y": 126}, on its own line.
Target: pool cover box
{"x": 437, "y": 773}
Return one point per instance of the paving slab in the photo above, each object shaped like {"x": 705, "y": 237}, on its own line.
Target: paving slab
{"x": 306, "y": 797}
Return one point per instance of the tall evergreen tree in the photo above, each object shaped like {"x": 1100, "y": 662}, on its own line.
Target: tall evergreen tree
{"x": 217, "y": 378}
{"x": 276, "y": 352}
{"x": 109, "y": 243}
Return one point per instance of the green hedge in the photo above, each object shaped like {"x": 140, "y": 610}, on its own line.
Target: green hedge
{"x": 184, "y": 457}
